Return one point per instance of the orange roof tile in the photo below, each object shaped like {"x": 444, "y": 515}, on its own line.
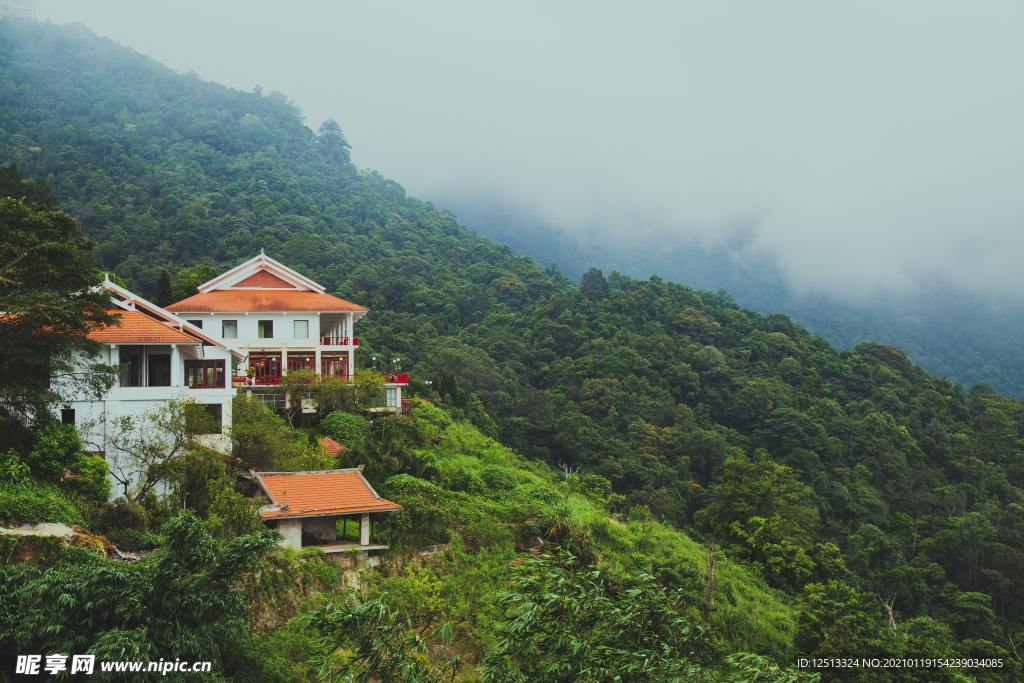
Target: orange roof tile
{"x": 135, "y": 327}
{"x": 320, "y": 494}
{"x": 332, "y": 447}
{"x": 242, "y": 301}
{"x": 264, "y": 279}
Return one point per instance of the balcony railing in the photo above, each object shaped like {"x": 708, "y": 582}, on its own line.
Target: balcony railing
{"x": 265, "y": 380}
{"x": 335, "y": 340}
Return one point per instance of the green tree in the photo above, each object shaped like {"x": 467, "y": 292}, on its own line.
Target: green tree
{"x": 569, "y": 622}
{"x": 180, "y": 602}
{"x": 164, "y": 296}
{"x": 593, "y": 285}
{"x": 765, "y": 511}
{"x": 47, "y": 277}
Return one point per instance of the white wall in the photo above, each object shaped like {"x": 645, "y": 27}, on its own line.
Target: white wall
{"x": 284, "y": 327}
{"x": 97, "y": 418}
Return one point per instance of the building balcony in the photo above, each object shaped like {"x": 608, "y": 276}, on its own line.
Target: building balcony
{"x": 335, "y": 340}
{"x": 270, "y": 379}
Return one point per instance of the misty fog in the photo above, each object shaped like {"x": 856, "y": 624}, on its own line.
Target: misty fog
{"x": 859, "y": 148}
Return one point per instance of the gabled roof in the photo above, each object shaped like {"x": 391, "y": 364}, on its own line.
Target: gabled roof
{"x": 253, "y": 300}
{"x": 319, "y": 494}
{"x": 135, "y": 327}
{"x": 135, "y": 305}
{"x": 332, "y": 447}
{"x": 262, "y": 284}
{"x": 261, "y": 263}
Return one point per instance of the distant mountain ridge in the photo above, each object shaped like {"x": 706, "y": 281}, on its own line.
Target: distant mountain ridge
{"x": 965, "y": 338}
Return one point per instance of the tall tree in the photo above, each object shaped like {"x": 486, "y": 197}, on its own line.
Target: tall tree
{"x": 49, "y": 304}
{"x": 163, "y": 289}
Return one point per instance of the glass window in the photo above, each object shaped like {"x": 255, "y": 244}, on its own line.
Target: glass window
{"x": 197, "y": 323}
{"x": 301, "y": 329}
{"x": 204, "y": 374}
{"x": 158, "y": 369}
{"x": 265, "y": 329}
{"x": 67, "y": 416}
{"x": 215, "y": 411}
{"x": 229, "y": 329}
{"x": 131, "y": 360}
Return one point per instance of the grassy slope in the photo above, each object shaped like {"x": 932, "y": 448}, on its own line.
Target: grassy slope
{"x": 496, "y": 506}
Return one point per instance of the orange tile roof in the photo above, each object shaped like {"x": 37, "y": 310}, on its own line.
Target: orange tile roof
{"x": 264, "y": 279}
{"x": 320, "y": 494}
{"x": 138, "y": 328}
{"x": 332, "y": 447}
{"x": 242, "y": 301}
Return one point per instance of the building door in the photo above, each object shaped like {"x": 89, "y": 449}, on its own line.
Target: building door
{"x": 267, "y": 368}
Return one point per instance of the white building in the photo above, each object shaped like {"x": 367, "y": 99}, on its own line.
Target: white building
{"x": 161, "y": 358}
{"x": 281, "y": 321}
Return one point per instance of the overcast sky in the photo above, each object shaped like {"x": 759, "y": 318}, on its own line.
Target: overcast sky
{"x": 863, "y": 146}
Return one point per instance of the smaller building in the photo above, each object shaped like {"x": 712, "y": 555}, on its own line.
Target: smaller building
{"x": 306, "y": 508}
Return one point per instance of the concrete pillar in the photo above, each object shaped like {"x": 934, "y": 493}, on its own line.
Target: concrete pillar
{"x": 316, "y": 360}
{"x": 291, "y": 531}
{"x": 364, "y": 529}
{"x": 115, "y": 360}
{"x": 177, "y": 367}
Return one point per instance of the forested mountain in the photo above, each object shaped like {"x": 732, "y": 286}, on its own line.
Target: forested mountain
{"x": 880, "y": 500}
{"x": 969, "y": 339}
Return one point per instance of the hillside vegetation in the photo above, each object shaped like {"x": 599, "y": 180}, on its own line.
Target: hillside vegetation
{"x": 884, "y": 504}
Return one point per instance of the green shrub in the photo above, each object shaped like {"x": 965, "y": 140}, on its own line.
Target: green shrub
{"x": 500, "y": 478}
{"x": 260, "y": 436}
{"x": 133, "y": 539}
{"x": 425, "y": 515}
{"x": 57, "y": 447}
{"x": 125, "y": 514}
{"x": 91, "y": 480}
{"x": 12, "y": 469}
{"x": 486, "y": 532}
{"x": 230, "y": 513}
{"x": 468, "y": 481}
{"x": 34, "y": 502}
{"x": 348, "y": 429}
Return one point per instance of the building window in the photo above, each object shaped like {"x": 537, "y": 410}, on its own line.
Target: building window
{"x": 131, "y": 360}
{"x": 158, "y": 369}
{"x": 216, "y": 413}
{"x": 229, "y": 329}
{"x": 204, "y": 374}
{"x": 197, "y": 323}
{"x": 67, "y": 416}
{"x": 265, "y": 329}
{"x": 204, "y": 418}
{"x": 302, "y": 329}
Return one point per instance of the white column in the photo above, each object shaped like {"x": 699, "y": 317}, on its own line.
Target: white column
{"x": 316, "y": 358}
{"x": 115, "y": 360}
{"x": 284, "y": 360}
{"x": 364, "y": 529}
{"x": 176, "y": 366}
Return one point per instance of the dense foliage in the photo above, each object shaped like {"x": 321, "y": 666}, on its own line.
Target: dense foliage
{"x": 873, "y": 495}
{"x": 47, "y": 267}
{"x": 967, "y": 338}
